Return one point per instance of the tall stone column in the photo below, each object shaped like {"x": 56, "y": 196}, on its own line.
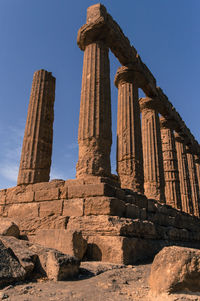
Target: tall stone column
{"x": 152, "y": 151}
{"x": 94, "y": 134}
{"x": 37, "y": 144}
{"x": 172, "y": 183}
{"x": 197, "y": 164}
{"x": 185, "y": 188}
{"x": 193, "y": 181}
{"x": 129, "y": 138}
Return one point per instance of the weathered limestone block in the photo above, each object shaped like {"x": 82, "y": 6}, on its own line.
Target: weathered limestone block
{"x": 119, "y": 249}
{"x": 175, "y": 234}
{"x": 54, "y": 264}
{"x": 193, "y": 181}
{"x": 161, "y": 219}
{"x": 185, "y": 187}
{"x": 152, "y": 151}
{"x": 8, "y": 228}
{"x": 10, "y": 268}
{"x": 95, "y": 136}
{"x": 37, "y": 144}
{"x": 19, "y": 211}
{"x": 51, "y": 208}
{"x": 20, "y": 248}
{"x": 61, "y": 267}
{"x": 111, "y": 226}
{"x": 88, "y": 190}
{"x": 175, "y": 269}
{"x": 104, "y": 206}
{"x": 137, "y": 199}
{"x": 129, "y": 138}
{"x": 47, "y": 195}
{"x": 19, "y": 194}
{"x": 132, "y": 211}
{"x": 172, "y": 183}
{"x": 33, "y": 258}
{"x": 67, "y": 242}
{"x": 73, "y": 207}
{"x": 31, "y": 224}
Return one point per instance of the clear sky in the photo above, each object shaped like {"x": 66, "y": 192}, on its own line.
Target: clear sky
{"x": 41, "y": 34}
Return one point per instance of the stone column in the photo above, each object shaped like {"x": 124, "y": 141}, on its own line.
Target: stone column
{"x": 152, "y": 151}
{"x": 129, "y": 139}
{"x": 37, "y": 144}
{"x": 94, "y": 135}
{"x": 172, "y": 183}
{"x": 197, "y": 164}
{"x": 185, "y": 188}
{"x": 193, "y": 180}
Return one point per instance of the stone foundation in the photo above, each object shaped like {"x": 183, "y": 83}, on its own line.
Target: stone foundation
{"x": 119, "y": 225}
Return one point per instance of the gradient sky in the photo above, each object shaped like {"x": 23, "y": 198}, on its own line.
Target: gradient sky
{"x": 41, "y": 34}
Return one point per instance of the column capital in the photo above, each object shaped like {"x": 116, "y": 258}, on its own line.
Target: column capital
{"x": 125, "y": 74}
{"x": 95, "y": 28}
{"x": 148, "y": 103}
{"x": 167, "y": 123}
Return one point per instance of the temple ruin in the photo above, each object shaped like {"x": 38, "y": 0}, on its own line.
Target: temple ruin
{"x": 154, "y": 200}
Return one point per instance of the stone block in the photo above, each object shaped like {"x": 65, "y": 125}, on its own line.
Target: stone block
{"x": 10, "y": 268}
{"x": 17, "y": 211}
{"x": 67, "y": 242}
{"x": 60, "y": 266}
{"x": 104, "y": 206}
{"x": 15, "y": 196}
{"x": 151, "y": 205}
{"x": 74, "y": 182}
{"x": 119, "y": 249}
{"x": 30, "y": 225}
{"x": 133, "y": 211}
{"x": 51, "y": 208}
{"x": 161, "y": 219}
{"x": 73, "y": 207}
{"x": 45, "y": 185}
{"x": 112, "y": 226}
{"x": 20, "y": 248}
{"x": 88, "y": 190}
{"x": 47, "y": 195}
{"x": 2, "y": 196}
{"x": 8, "y": 228}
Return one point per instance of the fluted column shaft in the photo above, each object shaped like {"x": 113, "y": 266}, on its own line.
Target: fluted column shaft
{"x": 94, "y": 135}
{"x": 129, "y": 139}
{"x": 152, "y": 151}
{"x": 193, "y": 181}
{"x": 37, "y": 144}
{"x": 185, "y": 188}
{"x": 172, "y": 183}
{"x": 197, "y": 164}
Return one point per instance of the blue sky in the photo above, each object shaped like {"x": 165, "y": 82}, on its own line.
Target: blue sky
{"x": 38, "y": 34}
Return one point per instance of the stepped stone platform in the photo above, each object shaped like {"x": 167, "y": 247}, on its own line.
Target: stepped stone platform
{"x": 119, "y": 225}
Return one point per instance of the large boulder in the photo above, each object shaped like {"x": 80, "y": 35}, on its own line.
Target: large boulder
{"x": 8, "y": 228}
{"x": 175, "y": 269}
{"x": 10, "y": 268}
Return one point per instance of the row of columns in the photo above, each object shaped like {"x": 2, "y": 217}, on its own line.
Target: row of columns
{"x": 151, "y": 158}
